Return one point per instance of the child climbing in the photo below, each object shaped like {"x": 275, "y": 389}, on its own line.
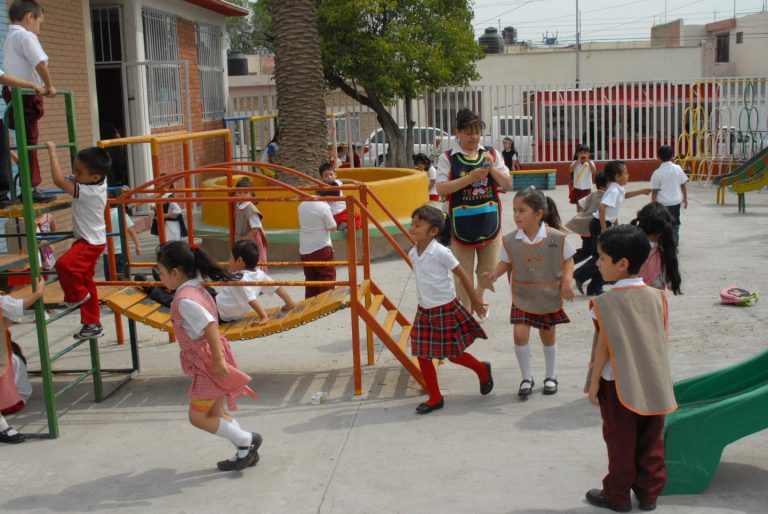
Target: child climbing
{"x": 248, "y": 218}
{"x": 540, "y": 261}
{"x": 443, "y": 327}
{"x": 205, "y": 354}
{"x": 233, "y": 303}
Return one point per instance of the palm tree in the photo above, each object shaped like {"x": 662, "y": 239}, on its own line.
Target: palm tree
{"x": 300, "y": 86}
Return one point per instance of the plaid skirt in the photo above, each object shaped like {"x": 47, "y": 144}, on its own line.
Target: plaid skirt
{"x": 545, "y": 321}
{"x": 444, "y": 332}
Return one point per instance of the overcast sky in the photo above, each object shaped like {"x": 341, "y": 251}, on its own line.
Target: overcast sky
{"x": 602, "y": 20}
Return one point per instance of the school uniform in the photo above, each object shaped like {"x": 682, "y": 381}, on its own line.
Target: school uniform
{"x": 579, "y": 224}
{"x": 10, "y": 397}
{"x": 668, "y": 180}
{"x": 247, "y": 218}
{"x": 315, "y": 222}
{"x": 175, "y": 228}
{"x": 443, "y": 327}
{"x": 339, "y": 211}
{"x": 76, "y": 267}
{"x": 233, "y": 302}
{"x": 432, "y": 175}
{"x": 537, "y": 269}
{"x": 192, "y": 310}
{"x": 635, "y": 389}
{"x": 582, "y": 183}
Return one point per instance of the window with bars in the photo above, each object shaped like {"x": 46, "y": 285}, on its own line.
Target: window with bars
{"x": 722, "y": 50}
{"x": 107, "y": 37}
{"x": 210, "y": 63}
{"x": 161, "y": 48}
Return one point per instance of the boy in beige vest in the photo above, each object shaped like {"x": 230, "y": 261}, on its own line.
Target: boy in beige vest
{"x": 629, "y": 375}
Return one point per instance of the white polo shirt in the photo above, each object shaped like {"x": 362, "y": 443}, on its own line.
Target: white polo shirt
{"x": 12, "y": 308}
{"x": 22, "y": 52}
{"x": 115, "y": 218}
{"x": 254, "y": 221}
{"x": 607, "y": 372}
{"x": 315, "y": 223}
{"x": 568, "y": 250}
{"x": 582, "y": 176}
{"x": 338, "y": 207}
{"x": 444, "y": 163}
{"x": 613, "y": 198}
{"x": 232, "y": 302}
{"x": 432, "y": 174}
{"x": 88, "y": 204}
{"x": 194, "y": 317}
{"x": 433, "y": 270}
{"x": 667, "y": 180}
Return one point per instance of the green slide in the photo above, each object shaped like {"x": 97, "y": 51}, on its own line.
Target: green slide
{"x": 715, "y": 410}
{"x": 755, "y": 164}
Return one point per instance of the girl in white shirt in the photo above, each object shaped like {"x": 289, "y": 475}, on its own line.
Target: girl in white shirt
{"x": 443, "y": 327}
{"x": 205, "y": 354}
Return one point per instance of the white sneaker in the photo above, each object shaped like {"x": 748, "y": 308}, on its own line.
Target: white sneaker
{"x": 72, "y": 305}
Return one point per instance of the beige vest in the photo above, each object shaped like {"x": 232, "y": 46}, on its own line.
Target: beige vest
{"x": 579, "y": 224}
{"x": 537, "y": 270}
{"x": 632, "y": 319}
{"x": 242, "y": 226}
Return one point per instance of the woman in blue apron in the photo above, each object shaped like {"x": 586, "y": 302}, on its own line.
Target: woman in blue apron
{"x": 470, "y": 176}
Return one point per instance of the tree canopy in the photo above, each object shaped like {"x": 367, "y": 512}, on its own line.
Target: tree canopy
{"x": 249, "y": 34}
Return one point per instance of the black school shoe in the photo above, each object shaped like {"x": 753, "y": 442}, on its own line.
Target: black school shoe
{"x": 595, "y": 497}
{"x": 646, "y": 506}
{"x": 16, "y": 438}
{"x": 240, "y": 463}
{"x": 38, "y": 197}
{"x": 424, "y": 408}
{"x": 550, "y": 389}
{"x": 89, "y": 332}
{"x": 526, "y": 388}
{"x": 487, "y": 387}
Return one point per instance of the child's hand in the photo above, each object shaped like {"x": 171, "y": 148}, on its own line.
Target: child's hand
{"x": 51, "y": 91}
{"x": 685, "y": 203}
{"x": 40, "y": 90}
{"x": 594, "y": 386}
{"x": 259, "y": 322}
{"x": 40, "y": 285}
{"x": 487, "y": 275}
{"x": 137, "y": 250}
{"x": 51, "y": 147}
{"x": 479, "y": 174}
{"x": 220, "y": 369}
{"x": 566, "y": 290}
{"x": 480, "y": 308}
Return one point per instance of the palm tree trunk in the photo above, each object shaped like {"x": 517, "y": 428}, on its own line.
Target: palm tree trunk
{"x": 302, "y": 131}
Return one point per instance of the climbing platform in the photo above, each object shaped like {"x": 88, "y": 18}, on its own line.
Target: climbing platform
{"x": 134, "y": 303}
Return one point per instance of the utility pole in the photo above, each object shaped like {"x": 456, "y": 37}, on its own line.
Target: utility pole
{"x": 578, "y": 44}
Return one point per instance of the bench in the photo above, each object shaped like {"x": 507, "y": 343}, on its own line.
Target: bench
{"x": 540, "y": 179}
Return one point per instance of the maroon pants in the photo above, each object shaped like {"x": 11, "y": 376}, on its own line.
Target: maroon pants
{"x": 318, "y": 272}
{"x": 75, "y": 270}
{"x": 635, "y": 450}
{"x": 33, "y": 111}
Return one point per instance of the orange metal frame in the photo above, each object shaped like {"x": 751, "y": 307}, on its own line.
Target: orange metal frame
{"x": 157, "y": 187}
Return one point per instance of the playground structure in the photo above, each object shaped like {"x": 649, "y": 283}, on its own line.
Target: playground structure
{"x": 750, "y": 176}
{"x": 715, "y": 410}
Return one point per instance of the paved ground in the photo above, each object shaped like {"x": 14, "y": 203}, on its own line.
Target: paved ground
{"x": 136, "y": 452}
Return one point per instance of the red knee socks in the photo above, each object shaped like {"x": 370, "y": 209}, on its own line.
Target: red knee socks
{"x": 468, "y": 361}
{"x": 429, "y": 373}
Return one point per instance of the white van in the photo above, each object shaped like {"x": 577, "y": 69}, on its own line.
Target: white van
{"x": 518, "y": 129}
{"x": 426, "y": 140}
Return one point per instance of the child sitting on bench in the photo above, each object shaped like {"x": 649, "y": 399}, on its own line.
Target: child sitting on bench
{"x": 234, "y": 302}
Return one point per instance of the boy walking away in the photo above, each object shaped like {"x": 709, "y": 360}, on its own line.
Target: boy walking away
{"x": 668, "y": 186}
{"x": 76, "y": 267}
{"x": 629, "y": 375}
{"x": 315, "y": 226}
{"x": 24, "y": 57}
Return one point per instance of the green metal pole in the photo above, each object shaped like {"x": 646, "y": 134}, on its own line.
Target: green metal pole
{"x": 69, "y": 104}
{"x": 98, "y": 388}
{"x": 34, "y": 265}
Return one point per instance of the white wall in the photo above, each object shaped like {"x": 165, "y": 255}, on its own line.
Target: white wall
{"x": 597, "y": 65}
{"x": 750, "y": 57}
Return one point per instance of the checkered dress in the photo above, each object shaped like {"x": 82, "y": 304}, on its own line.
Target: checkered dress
{"x": 197, "y": 360}
{"x": 9, "y": 394}
{"x": 546, "y": 321}
{"x": 444, "y": 332}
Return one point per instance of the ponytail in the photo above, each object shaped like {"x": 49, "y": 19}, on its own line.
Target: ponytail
{"x": 552, "y": 216}
{"x": 668, "y": 252}
{"x": 192, "y": 261}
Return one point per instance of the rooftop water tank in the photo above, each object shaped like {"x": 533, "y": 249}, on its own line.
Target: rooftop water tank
{"x": 510, "y": 35}
{"x": 237, "y": 64}
{"x": 491, "y": 41}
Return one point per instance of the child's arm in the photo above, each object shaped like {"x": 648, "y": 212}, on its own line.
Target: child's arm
{"x": 51, "y": 222}
{"x": 501, "y": 268}
{"x": 135, "y": 238}
{"x": 11, "y": 81}
{"x": 259, "y": 308}
{"x": 592, "y": 167}
{"x": 431, "y": 184}
{"x": 601, "y": 359}
{"x": 654, "y": 194}
{"x": 572, "y": 168}
{"x": 286, "y": 298}
{"x": 601, "y": 214}
{"x": 58, "y": 177}
{"x": 638, "y": 192}
{"x": 220, "y": 368}
{"x": 566, "y": 283}
{"x": 685, "y": 195}
{"x": 31, "y": 299}
{"x": 42, "y": 70}
{"x": 477, "y": 304}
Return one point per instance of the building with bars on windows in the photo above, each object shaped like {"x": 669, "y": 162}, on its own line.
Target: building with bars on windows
{"x": 137, "y": 67}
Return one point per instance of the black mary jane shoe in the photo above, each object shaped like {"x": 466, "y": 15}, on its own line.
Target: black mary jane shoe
{"x": 487, "y": 387}
{"x": 596, "y": 498}
{"x": 526, "y": 388}
{"x": 550, "y": 389}
{"x": 425, "y": 408}
{"x": 240, "y": 463}
{"x": 7, "y": 437}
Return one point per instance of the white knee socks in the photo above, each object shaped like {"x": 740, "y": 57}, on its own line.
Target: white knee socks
{"x": 550, "y": 360}
{"x": 239, "y": 437}
{"x": 523, "y": 354}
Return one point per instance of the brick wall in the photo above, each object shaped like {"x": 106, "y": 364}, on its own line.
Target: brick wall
{"x": 206, "y": 151}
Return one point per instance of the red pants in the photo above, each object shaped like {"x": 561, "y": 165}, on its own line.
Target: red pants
{"x": 318, "y": 272}
{"x": 75, "y": 270}
{"x": 342, "y": 218}
{"x": 635, "y": 450}
{"x": 33, "y": 111}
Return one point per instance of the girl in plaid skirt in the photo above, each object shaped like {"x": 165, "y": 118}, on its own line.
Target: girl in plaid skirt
{"x": 205, "y": 354}
{"x": 443, "y": 328}
{"x": 539, "y": 260}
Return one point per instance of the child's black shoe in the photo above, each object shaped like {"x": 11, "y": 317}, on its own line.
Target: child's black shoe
{"x": 240, "y": 463}
{"x": 526, "y": 388}
{"x": 89, "y": 332}
{"x": 11, "y": 436}
{"x": 425, "y": 408}
{"x": 487, "y": 387}
{"x": 596, "y": 498}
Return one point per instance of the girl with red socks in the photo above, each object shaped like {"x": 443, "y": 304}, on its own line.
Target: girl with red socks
{"x": 443, "y": 328}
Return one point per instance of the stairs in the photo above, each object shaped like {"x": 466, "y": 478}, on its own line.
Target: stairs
{"x": 397, "y": 344}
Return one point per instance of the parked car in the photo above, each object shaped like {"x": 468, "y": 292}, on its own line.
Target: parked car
{"x": 518, "y": 129}
{"x": 427, "y": 140}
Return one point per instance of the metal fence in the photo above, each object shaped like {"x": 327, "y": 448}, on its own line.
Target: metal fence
{"x": 164, "y": 88}
{"x": 722, "y": 119}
